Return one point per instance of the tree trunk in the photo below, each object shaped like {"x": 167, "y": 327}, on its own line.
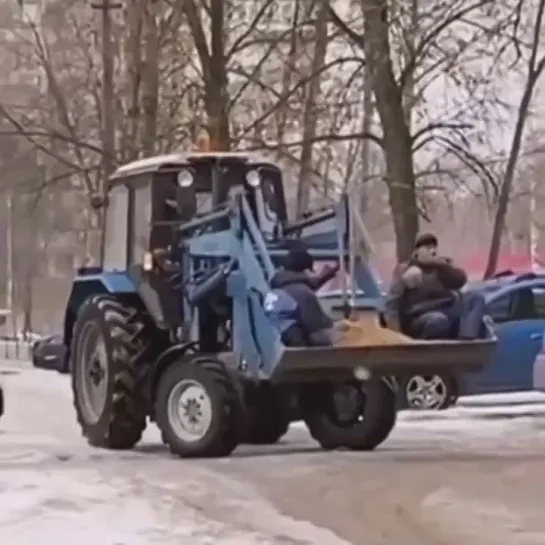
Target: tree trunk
{"x": 508, "y": 179}
{"x": 133, "y": 67}
{"x": 397, "y": 138}
{"x": 217, "y": 97}
{"x": 150, "y": 76}
{"x": 535, "y": 69}
{"x": 287, "y": 75}
{"x": 214, "y": 69}
{"x": 366, "y": 126}
{"x": 309, "y": 112}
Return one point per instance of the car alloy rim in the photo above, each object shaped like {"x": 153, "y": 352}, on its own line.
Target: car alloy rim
{"x": 426, "y": 392}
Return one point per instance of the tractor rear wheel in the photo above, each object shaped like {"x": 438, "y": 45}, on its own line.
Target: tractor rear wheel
{"x": 108, "y": 348}
{"x": 356, "y": 416}
{"x": 196, "y": 409}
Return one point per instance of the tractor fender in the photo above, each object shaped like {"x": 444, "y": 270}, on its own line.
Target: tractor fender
{"x": 91, "y": 282}
{"x": 80, "y": 291}
{"x": 165, "y": 360}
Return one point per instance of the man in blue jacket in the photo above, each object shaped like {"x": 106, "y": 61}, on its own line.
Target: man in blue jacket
{"x": 293, "y": 305}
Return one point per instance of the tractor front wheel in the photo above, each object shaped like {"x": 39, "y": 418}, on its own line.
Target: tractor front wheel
{"x": 107, "y": 351}
{"x": 355, "y": 416}
{"x": 196, "y": 409}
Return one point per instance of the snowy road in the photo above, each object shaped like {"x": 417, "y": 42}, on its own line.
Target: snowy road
{"x": 472, "y": 474}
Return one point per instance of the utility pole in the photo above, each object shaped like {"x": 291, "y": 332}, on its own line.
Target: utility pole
{"x": 9, "y": 250}
{"x": 108, "y": 126}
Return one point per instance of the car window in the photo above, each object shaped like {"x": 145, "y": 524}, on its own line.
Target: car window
{"x": 539, "y": 301}
{"x": 522, "y": 303}
{"x": 500, "y": 309}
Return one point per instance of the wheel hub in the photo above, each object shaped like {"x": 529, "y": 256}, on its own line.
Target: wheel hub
{"x": 189, "y": 410}
{"x": 96, "y": 373}
{"x": 349, "y": 403}
{"x": 426, "y": 393}
{"x": 91, "y": 373}
{"x": 192, "y": 410}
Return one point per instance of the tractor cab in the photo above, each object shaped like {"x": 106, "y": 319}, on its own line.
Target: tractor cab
{"x": 148, "y": 197}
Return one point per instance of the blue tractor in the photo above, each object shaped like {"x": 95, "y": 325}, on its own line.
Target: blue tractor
{"x": 173, "y": 328}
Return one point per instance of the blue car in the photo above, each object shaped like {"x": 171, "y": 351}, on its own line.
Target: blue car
{"x": 516, "y": 304}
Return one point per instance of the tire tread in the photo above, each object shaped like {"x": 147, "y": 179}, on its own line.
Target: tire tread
{"x": 226, "y": 437}
{"x": 126, "y": 335}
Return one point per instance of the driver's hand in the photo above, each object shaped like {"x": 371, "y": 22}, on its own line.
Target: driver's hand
{"x": 330, "y": 268}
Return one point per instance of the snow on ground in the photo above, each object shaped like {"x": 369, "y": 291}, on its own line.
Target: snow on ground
{"x": 52, "y": 483}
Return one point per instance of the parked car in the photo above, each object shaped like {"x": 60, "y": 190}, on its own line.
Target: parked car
{"x": 50, "y": 353}
{"x": 516, "y": 304}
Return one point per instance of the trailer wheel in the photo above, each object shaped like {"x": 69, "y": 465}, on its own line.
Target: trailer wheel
{"x": 196, "y": 409}
{"x": 109, "y": 346}
{"x": 356, "y": 416}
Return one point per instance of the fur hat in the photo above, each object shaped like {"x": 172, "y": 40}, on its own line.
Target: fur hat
{"x": 298, "y": 258}
{"x": 426, "y": 239}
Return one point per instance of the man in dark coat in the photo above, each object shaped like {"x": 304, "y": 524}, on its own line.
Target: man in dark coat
{"x": 424, "y": 298}
{"x": 293, "y": 304}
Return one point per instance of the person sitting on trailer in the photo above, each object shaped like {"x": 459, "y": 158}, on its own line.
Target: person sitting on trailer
{"x": 293, "y": 304}
{"x": 424, "y": 299}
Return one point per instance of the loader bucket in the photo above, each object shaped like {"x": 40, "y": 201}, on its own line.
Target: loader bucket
{"x": 419, "y": 357}
{"x": 388, "y": 354}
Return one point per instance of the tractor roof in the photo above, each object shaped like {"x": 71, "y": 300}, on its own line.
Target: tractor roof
{"x": 174, "y": 160}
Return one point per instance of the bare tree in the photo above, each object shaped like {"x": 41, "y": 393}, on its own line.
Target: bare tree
{"x": 407, "y": 51}
{"x": 535, "y": 64}
{"x": 310, "y": 107}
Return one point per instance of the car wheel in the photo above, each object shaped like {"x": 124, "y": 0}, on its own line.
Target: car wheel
{"x": 428, "y": 392}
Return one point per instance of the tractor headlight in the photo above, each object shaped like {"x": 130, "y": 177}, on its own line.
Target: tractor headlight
{"x": 362, "y": 373}
{"x": 185, "y": 178}
{"x": 253, "y": 178}
{"x": 147, "y": 265}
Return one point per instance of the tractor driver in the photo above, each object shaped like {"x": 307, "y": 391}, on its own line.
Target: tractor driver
{"x": 424, "y": 299}
{"x": 293, "y": 304}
